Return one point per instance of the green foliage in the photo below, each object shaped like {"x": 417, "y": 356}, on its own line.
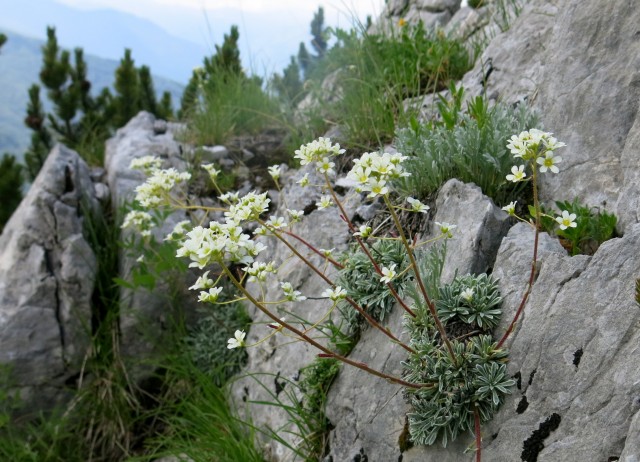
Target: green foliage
{"x": 470, "y": 146}
{"x": 362, "y": 283}
{"x": 315, "y": 381}
{"x": 3, "y": 39}
{"x": 476, "y": 380}
{"x": 127, "y": 100}
{"x": 594, "y": 227}
{"x": 471, "y": 299}
{"x": 197, "y": 420}
{"x": 288, "y": 86}
{"x": 10, "y": 187}
{"x": 207, "y": 342}
{"x": 476, "y": 3}
{"x": 376, "y": 73}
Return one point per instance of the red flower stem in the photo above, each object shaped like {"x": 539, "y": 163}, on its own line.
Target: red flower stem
{"x": 357, "y": 307}
{"x": 476, "y": 420}
{"x": 311, "y": 247}
{"x": 311, "y": 341}
{"x": 534, "y": 261}
{"x": 364, "y": 248}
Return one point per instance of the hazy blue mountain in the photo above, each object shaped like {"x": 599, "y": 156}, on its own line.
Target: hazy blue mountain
{"x": 106, "y": 33}
{"x": 20, "y": 62}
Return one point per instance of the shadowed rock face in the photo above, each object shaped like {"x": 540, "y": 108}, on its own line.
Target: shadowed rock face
{"x": 47, "y": 274}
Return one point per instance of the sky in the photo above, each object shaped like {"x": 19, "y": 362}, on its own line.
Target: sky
{"x": 270, "y": 30}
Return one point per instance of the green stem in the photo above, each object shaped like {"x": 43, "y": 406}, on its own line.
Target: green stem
{"x": 312, "y": 342}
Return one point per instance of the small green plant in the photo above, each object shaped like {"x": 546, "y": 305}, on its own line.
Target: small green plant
{"x": 207, "y": 341}
{"x": 471, "y": 299}
{"x": 358, "y": 278}
{"x": 592, "y": 226}
{"x": 463, "y": 392}
{"x": 465, "y": 145}
{"x": 315, "y": 380}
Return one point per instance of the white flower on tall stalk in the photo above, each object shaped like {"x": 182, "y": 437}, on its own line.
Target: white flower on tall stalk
{"x": 210, "y": 296}
{"x": 274, "y": 171}
{"x": 446, "y": 228}
{"x": 146, "y": 163}
{"x": 203, "y": 282}
{"x": 276, "y": 222}
{"x": 364, "y": 231}
{"x": 295, "y": 215}
{"x": 517, "y": 174}
{"x": 326, "y": 166}
{"x": 258, "y": 271}
{"x": 566, "y": 220}
{"x": 417, "y": 206}
{"x": 229, "y": 198}
{"x": 388, "y": 273}
{"x": 155, "y": 191}
{"x": 324, "y": 202}
{"x": 212, "y": 171}
{"x": 317, "y": 150}
{"x": 530, "y": 144}
{"x": 548, "y": 162}
{"x": 237, "y": 341}
{"x": 511, "y": 208}
{"x": 327, "y": 252}
{"x": 335, "y": 294}
{"x": 304, "y": 181}
{"x": 467, "y": 294}
{"x": 290, "y": 294}
{"x": 376, "y": 188}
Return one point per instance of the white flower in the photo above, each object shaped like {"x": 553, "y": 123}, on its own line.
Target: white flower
{"x": 324, "y": 202}
{"x": 237, "y": 341}
{"x": 335, "y": 294}
{"x": 317, "y": 150}
{"x": 211, "y": 296}
{"x": 155, "y": 191}
{"x": 290, "y": 294}
{"x": 138, "y": 220}
{"x": 377, "y": 188}
{"x": 212, "y": 170}
{"x": 388, "y": 273}
{"x": 417, "y": 206}
{"x": 446, "y": 228}
{"x": 467, "y": 294}
{"x": 364, "y": 232}
{"x": 511, "y": 208}
{"x": 548, "y": 162}
{"x": 566, "y": 220}
{"x": 146, "y": 163}
{"x": 274, "y": 171}
{"x": 179, "y": 230}
{"x": 327, "y": 252}
{"x": 276, "y": 325}
{"x": 276, "y": 222}
{"x": 304, "y": 181}
{"x": 295, "y": 215}
{"x": 517, "y": 174}
{"x": 325, "y": 166}
{"x": 203, "y": 282}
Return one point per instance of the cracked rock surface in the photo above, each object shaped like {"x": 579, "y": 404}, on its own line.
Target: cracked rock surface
{"x": 47, "y": 273}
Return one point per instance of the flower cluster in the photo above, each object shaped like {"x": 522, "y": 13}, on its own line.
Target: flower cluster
{"x": 179, "y": 230}
{"x": 246, "y": 208}
{"x": 155, "y": 191}
{"x": 258, "y": 271}
{"x": 148, "y": 164}
{"x": 220, "y": 242}
{"x": 535, "y": 146}
{"x": 319, "y": 151}
{"x": 290, "y": 294}
{"x": 373, "y": 171}
{"x": 140, "y": 221}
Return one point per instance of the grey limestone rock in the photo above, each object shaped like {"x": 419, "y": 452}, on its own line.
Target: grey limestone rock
{"x": 47, "y": 272}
